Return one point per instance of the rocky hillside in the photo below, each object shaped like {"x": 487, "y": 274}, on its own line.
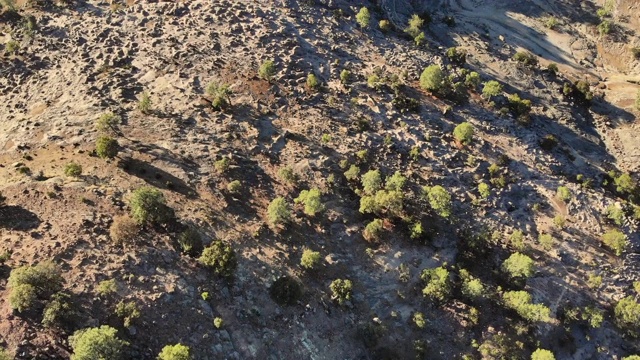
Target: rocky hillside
{"x": 319, "y": 179}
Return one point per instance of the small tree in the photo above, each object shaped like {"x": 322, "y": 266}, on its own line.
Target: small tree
{"x": 73, "y": 169}
{"x": 484, "y": 190}
{"x": 148, "y": 205}
{"x": 278, "y": 212}
{"x": 542, "y": 354}
{"x": 145, "y": 103}
{"x": 220, "y": 95}
{"x": 563, "y": 193}
{"x": 341, "y": 290}
{"x": 432, "y": 79}
{"x": 518, "y": 265}
{"x": 373, "y": 229}
{"x": 190, "y": 241}
{"x": 96, "y": 343}
{"x": 616, "y": 240}
{"x": 352, "y": 173}
{"x": 106, "y": 147}
{"x": 520, "y": 301}
{"x": 312, "y": 82}
{"x": 371, "y": 182}
{"x": 395, "y": 182}
{"x": 108, "y": 122}
{"x": 463, "y": 133}
{"x": 175, "y": 352}
{"x": 491, "y": 88}
{"x": 472, "y": 80}
{"x": 310, "y": 259}
{"x": 363, "y": 17}
{"x": 311, "y": 201}
{"x": 384, "y": 25}
{"x": 28, "y": 283}
{"x": 267, "y": 70}
{"x": 627, "y": 312}
{"x": 624, "y": 183}
{"x": 415, "y": 26}
{"x": 440, "y": 200}
{"x": 220, "y": 258}
{"x": 471, "y": 287}
{"x": 4, "y": 355}
{"x": 437, "y": 285}
{"x": 345, "y": 76}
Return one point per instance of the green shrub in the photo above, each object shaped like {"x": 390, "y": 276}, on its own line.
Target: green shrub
{"x": 416, "y": 230}
{"x": 108, "y": 122}
{"x": 148, "y": 205}
{"x": 107, "y": 147}
{"x": 267, "y": 70}
{"x": 415, "y": 26}
{"x": 345, "y": 76}
{"x": 520, "y": 301}
{"x": 373, "y": 229}
{"x": 288, "y": 175}
{"x": 559, "y": 221}
{"x": 440, "y": 200}
{"x": 28, "y": 283}
{"x": 107, "y": 287}
{"x": 419, "y": 320}
{"x": 128, "y": 311}
{"x": 484, "y": 190}
{"x": 546, "y": 241}
{"x": 363, "y": 17}
{"x": 374, "y": 82}
{"x": 175, "y": 352}
{"x": 220, "y": 258}
{"x": 542, "y": 354}
{"x": 518, "y": 265}
{"x": 593, "y": 316}
{"x": 220, "y": 95}
{"x": 516, "y": 240}
{"x": 353, "y": 173}
{"x": 310, "y": 259}
{"x": 624, "y": 183}
{"x": 463, "y": 133}
{"x": 456, "y": 56}
{"x": 23, "y": 297}
{"x": 594, "y": 281}
{"x": 218, "y": 322}
{"x": 526, "y": 58}
{"x": 395, "y": 182}
{"x": 615, "y": 214}
{"x": 73, "y": 169}
{"x": 190, "y": 241}
{"x": 278, "y": 212}
{"x": 123, "y": 229}
{"x": 312, "y": 82}
{"x": 491, "y": 88}
{"x": 341, "y": 290}
{"x": 551, "y": 23}
{"x": 627, "y": 312}
{"x": 145, "y": 103}
{"x": 420, "y": 39}
{"x": 605, "y": 27}
{"x": 59, "y": 311}
{"x": 552, "y": 68}
{"x": 96, "y": 343}
{"x": 234, "y": 187}
{"x": 383, "y": 201}
{"x": 631, "y": 357}
{"x": 4, "y": 355}
{"x": 286, "y": 291}
{"x": 311, "y": 201}
{"x": 472, "y": 80}
{"x": 437, "y": 285}
{"x": 518, "y": 106}
{"x": 8, "y": 5}
{"x": 12, "y": 47}
{"x": 563, "y": 193}
{"x": 371, "y": 181}
{"x": 384, "y": 25}
{"x": 222, "y": 165}
{"x": 432, "y": 79}
{"x": 471, "y": 287}
{"x": 616, "y": 240}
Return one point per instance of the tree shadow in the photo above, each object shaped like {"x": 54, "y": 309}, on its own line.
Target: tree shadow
{"x": 13, "y": 217}
{"x": 155, "y": 176}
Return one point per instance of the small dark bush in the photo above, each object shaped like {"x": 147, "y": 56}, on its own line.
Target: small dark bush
{"x": 286, "y": 291}
{"x": 190, "y": 242}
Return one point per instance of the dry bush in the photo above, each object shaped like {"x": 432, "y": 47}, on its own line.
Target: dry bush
{"x": 123, "y": 230}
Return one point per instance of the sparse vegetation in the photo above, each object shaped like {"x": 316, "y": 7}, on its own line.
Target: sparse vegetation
{"x": 520, "y": 301}
{"x": 563, "y": 193}
{"x": 220, "y": 95}
{"x": 145, "y": 103}
{"x": 123, "y": 229}
{"x": 526, "y": 58}
{"x": 127, "y": 311}
{"x": 30, "y": 283}
{"x": 108, "y": 122}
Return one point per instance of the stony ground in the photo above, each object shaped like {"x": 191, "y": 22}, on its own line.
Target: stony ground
{"x": 88, "y": 58}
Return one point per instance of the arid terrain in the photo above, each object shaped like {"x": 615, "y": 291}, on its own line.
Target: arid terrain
{"x": 449, "y": 158}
